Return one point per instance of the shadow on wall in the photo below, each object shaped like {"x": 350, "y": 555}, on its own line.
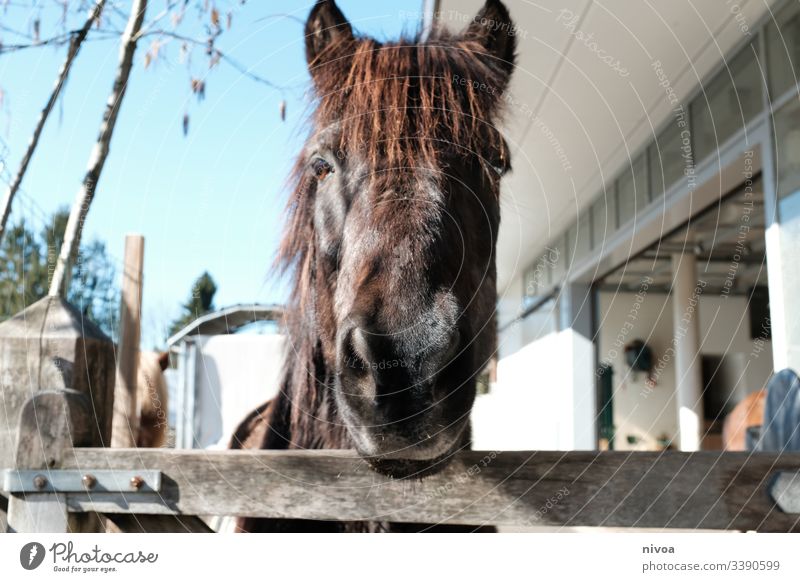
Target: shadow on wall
{"x": 233, "y": 375}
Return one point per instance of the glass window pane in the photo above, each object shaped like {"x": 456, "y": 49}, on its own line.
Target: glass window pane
{"x": 632, "y": 190}
{"x": 783, "y": 50}
{"x": 599, "y": 221}
{"x": 666, "y": 160}
{"x": 547, "y": 270}
{"x": 570, "y": 237}
{"x": 540, "y": 323}
{"x": 728, "y": 103}
{"x": 535, "y": 280}
{"x": 787, "y": 136}
{"x": 583, "y": 240}
{"x": 556, "y": 253}
{"x": 611, "y": 203}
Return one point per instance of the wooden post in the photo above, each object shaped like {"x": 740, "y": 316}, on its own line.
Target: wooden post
{"x": 125, "y": 424}
{"x": 52, "y": 345}
{"x": 47, "y": 346}
{"x": 51, "y": 423}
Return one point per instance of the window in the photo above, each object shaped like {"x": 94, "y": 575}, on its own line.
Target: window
{"x": 783, "y": 50}
{"x": 541, "y": 322}
{"x": 787, "y": 136}
{"x": 536, "y": 279}
{"x": 583, "y": 240}
{"x": 632, "y": 190}
{"x": 666, "y": 158}
{"x": 570, "y": 243}
{"x": 610, "y": 194}
{"x": 602, "y": 227}
{"x": 547, "y": 270}
{"x": 557, "y": 256}
{"x": 731, "y": 100}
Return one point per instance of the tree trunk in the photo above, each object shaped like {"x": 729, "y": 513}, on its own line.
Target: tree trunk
{"x": 74, "y": 46}
{"x": 72, "y": 235}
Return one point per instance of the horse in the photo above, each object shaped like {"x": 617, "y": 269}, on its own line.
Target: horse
{"x": 151, "y": 395}
{"x": 747, "y": 413}
{"x": 390, "y": 243}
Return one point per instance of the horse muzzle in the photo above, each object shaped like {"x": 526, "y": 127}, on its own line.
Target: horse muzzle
{"x": 412, "y": 449}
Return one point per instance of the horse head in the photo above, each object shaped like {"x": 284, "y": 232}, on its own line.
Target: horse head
{"x": 393, "y": 225}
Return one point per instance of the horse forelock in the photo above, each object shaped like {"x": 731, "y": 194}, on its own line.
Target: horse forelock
{"x": 403, "y": 103}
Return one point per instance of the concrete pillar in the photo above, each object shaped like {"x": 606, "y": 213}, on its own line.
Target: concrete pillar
{"x": 579, "y": 425}
{"x": 686, "y": 291}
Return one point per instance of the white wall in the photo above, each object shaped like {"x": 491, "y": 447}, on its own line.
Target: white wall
{"x": 534, "y": 403}
{"x": 518, "y": 412}
{"x": 650, "y": 413}
{"x": 235, "y": 373}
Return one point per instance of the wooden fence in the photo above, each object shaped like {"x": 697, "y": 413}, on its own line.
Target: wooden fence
{"x": 58, "y": 484}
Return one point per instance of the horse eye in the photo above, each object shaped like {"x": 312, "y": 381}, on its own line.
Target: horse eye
{"x": 321, "y": 168}
{"x": 501, "y": 165}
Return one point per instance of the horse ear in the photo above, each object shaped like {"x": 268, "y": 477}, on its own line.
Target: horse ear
{"x": 493, "y": 28}
{"x": 326, "y": 27}
{"x": 163, "y": 360}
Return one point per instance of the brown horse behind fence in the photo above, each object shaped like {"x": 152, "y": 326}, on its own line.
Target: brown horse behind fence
{"x": 748, "y": 413}
{"x": 390, "y": 242}
{"x": 151, "y": 395}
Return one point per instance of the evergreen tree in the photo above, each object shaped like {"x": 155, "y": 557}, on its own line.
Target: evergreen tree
{"x": 201, "y": 301}
{"x": 27, "y": 261}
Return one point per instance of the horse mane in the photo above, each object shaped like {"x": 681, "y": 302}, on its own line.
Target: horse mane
{"x": 401, "y": 105}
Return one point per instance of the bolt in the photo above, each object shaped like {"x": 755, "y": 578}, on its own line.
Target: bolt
{"x": 89, "y": 481}
{"x": 40, "y": 481}
{"x": 137, "y": 482}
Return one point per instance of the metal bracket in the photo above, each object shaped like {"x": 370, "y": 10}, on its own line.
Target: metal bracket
{"x": 785, "y": 490}
{"x": 89, "y": 481}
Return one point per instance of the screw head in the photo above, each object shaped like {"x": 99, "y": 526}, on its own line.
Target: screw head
{"x": 89, "y": 481}
{"x": 137, "y": 482}
{"x": 40, "y": 481}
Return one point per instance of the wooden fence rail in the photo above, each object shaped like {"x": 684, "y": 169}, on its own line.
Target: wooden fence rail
{"x": 707, "y": 490}
{"x": 613, "y": 489}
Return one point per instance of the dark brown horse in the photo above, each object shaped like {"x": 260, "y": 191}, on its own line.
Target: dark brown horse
{"x": 391, "y": 245}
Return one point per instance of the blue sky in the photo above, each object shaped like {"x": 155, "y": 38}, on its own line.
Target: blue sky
{"x": 210, "y": 201}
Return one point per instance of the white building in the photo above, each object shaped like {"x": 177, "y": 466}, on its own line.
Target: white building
{"x": 228, "y": 363}
{"x": 654, "y": 197}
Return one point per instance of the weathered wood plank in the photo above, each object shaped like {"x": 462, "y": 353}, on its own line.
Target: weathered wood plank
{"x": 50, "y": 424}
{"x": 51, "y": 345}
{"x": 125, "y": 422}
{"x": 706, "y": 490}
{"x": 137, "y": 523}
{"x": 3, "y": 513}
{"x": 41, "y": 513}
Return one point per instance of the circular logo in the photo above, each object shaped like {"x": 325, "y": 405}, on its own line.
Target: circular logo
{"x": 31, "y": 555}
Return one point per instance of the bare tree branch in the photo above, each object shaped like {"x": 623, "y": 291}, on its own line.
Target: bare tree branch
{"x": 57, "y": 40}
{"x": 77, "y": 216}
{"x": 222, "y": 57}
{"x": 74, "y": 47}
